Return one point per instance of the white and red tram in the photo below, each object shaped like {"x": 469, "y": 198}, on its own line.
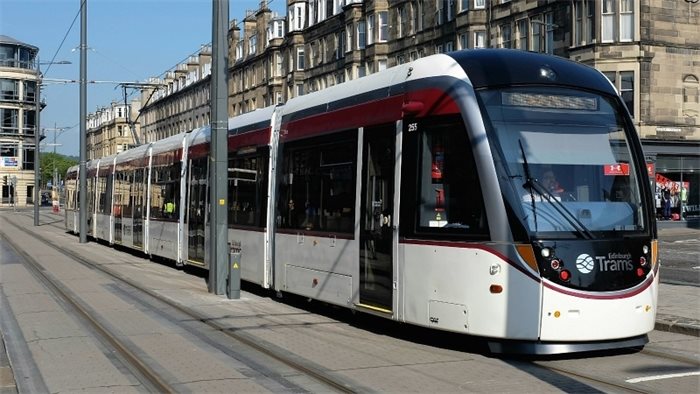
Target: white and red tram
{"x": 424, "y": 194}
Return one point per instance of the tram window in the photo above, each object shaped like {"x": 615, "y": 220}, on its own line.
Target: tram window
{"x": 102, "y": 194}
{"x": 317, "y": 190}
{"x": 137, "y": 192}
{"x": 448, "y": 197}
{"x": 247, "y": 188}
{"x": 124, "y": 189}
{"x": 165, "y": 191}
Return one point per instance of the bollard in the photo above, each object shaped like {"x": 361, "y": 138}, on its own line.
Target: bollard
{"x": 233, "y": 290}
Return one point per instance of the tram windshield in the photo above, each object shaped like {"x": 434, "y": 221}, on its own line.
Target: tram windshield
{"x": 570, "y": 168}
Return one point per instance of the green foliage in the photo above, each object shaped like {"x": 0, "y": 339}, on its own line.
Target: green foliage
{"x": 51, "y": 160}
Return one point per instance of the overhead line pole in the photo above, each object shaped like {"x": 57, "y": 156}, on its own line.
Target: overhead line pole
{"x": 37, "y": 150}
{"x": 218, "y": 152}
{"x": 82, "y": 194}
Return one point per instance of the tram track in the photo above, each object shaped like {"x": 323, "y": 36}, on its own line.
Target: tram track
{"x": 328, "y": 380}
{"x": 608, "y": 384}
{"x": 141, "y": 371}
{"x": 619, "y": 385}
{"x": 549, "y": 370}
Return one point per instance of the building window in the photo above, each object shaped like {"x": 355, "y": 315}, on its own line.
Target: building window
{"x": 627, "y": 89}
{"x": 418, "y": 16}
{"x": 312, "y": 12}
{"x": 7, "y": 56}
{"x": 464, "y": 5}
{"x": 536, "y": 25}
{"x": 9, "y": 89}
{"x": 523, "y": 34}
{"x": 300, "y": 89}
{"x": 479, "y": 4}
{"x": 449, "y": 46}
{"x": 479, "y": 39}
{"x": 29, "y": 121}
{"x": 463, "y": 41}
{"x": 383, "y": 26}
{"x": 239, "y": 50}
{"x": 339, "y": 45}
{"x": 361, "y": 35}
{"x": 608, "y": 21}
{"x": 348, "y": 38}
{"x": 280, "y": 29}
{"x": 626, "y": 20}
{"x": 300, "y": 59}
{"x": 440, "y": 7}
{"x": 28, "y": 159}
{"x": 253, "y": 44}
{"x": 583, "y": 23}
{"x": 361, "y": 70}
{"x": 8, "y": 120}
{"x": 370, "y": 29}
{"x": 29, "y": 91}
{"x": 549, "y": 38}
{"x": 624, "y": 83}
{"x": 505, "y": 36}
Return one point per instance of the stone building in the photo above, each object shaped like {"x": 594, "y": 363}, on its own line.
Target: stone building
{"x": 19, "y": 81}
{"x": 649, "y": 49}
{"x": 179, "y": 101}
{"x": 110, "y": 130}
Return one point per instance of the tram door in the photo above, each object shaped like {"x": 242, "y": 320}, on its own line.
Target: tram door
{"x": 196, "y": 211}
{"x": 376, "y": 222}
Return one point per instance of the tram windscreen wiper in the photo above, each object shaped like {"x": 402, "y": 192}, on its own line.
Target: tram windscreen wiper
{"x": 527, "y": 184}
{"x": 533, "y": 185}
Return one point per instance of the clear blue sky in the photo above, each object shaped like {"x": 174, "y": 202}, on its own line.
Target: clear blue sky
{"x": 129, "y": 40}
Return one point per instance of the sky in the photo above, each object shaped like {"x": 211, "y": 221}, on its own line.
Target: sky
{"x": 128, "y": 41}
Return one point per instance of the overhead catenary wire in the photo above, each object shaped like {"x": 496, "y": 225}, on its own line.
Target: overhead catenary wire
{"x": 82, "y": 4}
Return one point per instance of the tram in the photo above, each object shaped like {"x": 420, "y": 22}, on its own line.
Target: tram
{"x": 424, "y": 193}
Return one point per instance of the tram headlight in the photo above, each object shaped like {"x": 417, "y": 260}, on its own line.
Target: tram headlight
{"x": 645, "y": 249}
{"x": 643, "y": 261}
{"x": 546, "y": 252}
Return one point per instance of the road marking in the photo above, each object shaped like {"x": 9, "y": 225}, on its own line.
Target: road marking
{"x": 659, "y": 377}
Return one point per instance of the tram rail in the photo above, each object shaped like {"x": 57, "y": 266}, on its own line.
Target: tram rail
{"x": 136, "y": 365}
{"x": 154, "y": 381}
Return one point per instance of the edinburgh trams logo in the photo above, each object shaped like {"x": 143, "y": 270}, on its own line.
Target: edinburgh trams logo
{"x": 584, "y": 263}
{"x": 612, "y": 262}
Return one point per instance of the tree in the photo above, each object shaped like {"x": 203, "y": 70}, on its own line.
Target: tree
{"x": 49, "y": 161}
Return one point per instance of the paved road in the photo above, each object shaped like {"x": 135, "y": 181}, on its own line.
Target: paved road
{"x": 679, "y": 251}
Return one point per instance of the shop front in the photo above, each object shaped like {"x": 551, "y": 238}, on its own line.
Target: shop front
{"x": 674, "y": 170}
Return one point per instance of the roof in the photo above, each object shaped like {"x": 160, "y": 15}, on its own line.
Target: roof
{"x": 9, "y": 40}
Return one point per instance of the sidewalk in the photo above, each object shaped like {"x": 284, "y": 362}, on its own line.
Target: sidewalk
{"x": 679, "y": 306}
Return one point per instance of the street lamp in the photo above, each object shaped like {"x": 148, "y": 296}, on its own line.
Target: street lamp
{"x": 37, "y": 138}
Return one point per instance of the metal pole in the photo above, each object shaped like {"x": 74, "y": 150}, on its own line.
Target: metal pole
{"x": 55, "y": 131}
{"x": 37, "y": 151}
{"x": 218, "y": 156}
{"x": 82, "y": 194}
